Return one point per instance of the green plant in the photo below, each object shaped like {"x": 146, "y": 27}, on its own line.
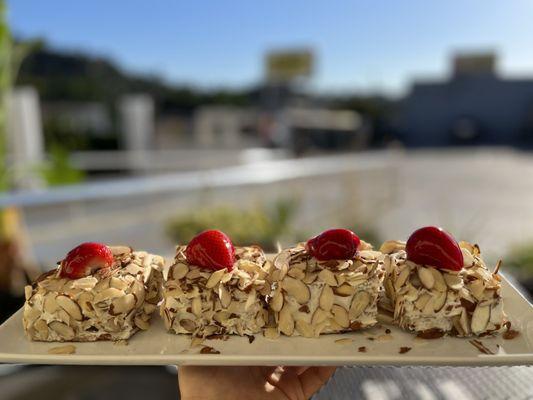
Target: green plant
{"x": 264, "y": 225}
{"x": 520, "y": 260}
{"x": 58, "y": 170}
{"x": 11, "y": 57}
{"x": 5, "y": 81}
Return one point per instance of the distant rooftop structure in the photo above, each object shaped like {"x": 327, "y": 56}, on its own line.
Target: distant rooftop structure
{"x": 475, "y": 64}
{"x": 475, "y": 106}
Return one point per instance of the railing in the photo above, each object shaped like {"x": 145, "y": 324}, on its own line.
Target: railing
{"x": 331, "y": 191}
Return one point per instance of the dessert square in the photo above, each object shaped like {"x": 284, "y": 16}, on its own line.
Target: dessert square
{"x": 205, "y": 302}
{"x": 435, "y": 302}
{"x": 312, "y": 297}
{"x": 110, "y": 304}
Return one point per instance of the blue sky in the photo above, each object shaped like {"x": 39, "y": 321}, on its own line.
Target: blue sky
{"x": 360, "y": 45}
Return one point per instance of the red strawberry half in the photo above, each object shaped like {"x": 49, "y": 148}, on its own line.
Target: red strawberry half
{"x": 85, "y": 259}
{"x": 432, "y": 246}
{"x": 211, "y": 249}
{"x": 334, "y": 244}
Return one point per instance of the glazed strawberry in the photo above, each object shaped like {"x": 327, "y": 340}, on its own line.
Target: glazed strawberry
{"x": 334, "y": 244}
{"x": 85, "y": 259}
{"x": 434, "y": 247}
{"x": 211, "y": 249}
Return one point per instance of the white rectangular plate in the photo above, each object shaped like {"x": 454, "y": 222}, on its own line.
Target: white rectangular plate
{"x": 157, "y": 347}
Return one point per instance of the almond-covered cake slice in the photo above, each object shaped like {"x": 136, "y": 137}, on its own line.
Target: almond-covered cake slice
{"x": 328, "y": 285}
{"x": 96, "y": 293}
{"x": 216, "y": 288}
{"x": 436, "y": 286}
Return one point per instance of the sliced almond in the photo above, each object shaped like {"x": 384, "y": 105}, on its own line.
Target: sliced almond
{"x": 271, "y": 333}
{"x": 108, "y": 294}
{"x": 359, "y": 303}
{"x": 421, "y": 302}
{"x": 426, "y": 277}
{"x": 141, "y": 323}
{"x": 63, "y": 316}
{"x": 389, "y": 289}
{"x": 304, "y": 328}
{"x": 63, "y": 330}
{"x": 196, "y": 306}
{"x": 249, "y": 266}
{"x": 224, "y": 295}
{"x": 168, "y": 319}
{"x": 496, "y": 313}
{"x": 123, "y": 305}
{"x": 117, "y": 283}
{"x": 120, "y": 250}
{"x": 296, "y": 273}
{"x": 480, "y": 318}
{"x": 68, "y": 349}
{"x": 85, "y": 301}
{"x": 477, "y": 288}
{"x": 401, "y": 278}
{"x": 70, "y": 306}
{"x": 468, "y": 258}
{"x": 415, "y": 281}
{"x": 221, "y": 316}
{"x": 344, "y": 290}
{"x": 28, "y": 291}
{"x": 463, "y": 320}
{"x": 42, "y": 328}
{"x": 310, "y": 277}
{"x": 50, "y": 304}
{"x": 453, "y": 281}
{"x": 260, "y": 320}
{"x": 326, "y": 298}
{"x": 439, "y": 300}
{"x": 319, "y": 316}
{"x": 340, "y": 315}
{"x": 387, "y": 265}
{"x": 429, "y": 307}
{"x": 215, "y": 278}
{"x": 251, "y": 300}
{"x": 344, "y": 341}
{"x": 112, "y": 326}
{"x": 341, "y": 278}
{"x": 210, "y": 330}
{"x": 179, "y": 271}
{"x": 226, "y": 277}
{"x": 440, "y": 283}
{"x": 457, "y": 325}
{"x": 318, "y": 329}
{"x": 276, "y": 302}
{"x": 188, "y": 325}
{"x": 148, "y": 308}
{"x": 281, "y": 264}
{"x": 296, "y": 289}
{"x": 411, "y": 294}
{"x": 327, "y": 277}
{"x": 137, "y": 289}
{"x": 102, "y": 285}
{"x": 194, "y": 273}
{"x": 286, "y": 322}
{"x": 392, "y": 246}
{"x": 236, "y": 307}
{"x": 463, "y": 244}
{"x": 333, "y": 325}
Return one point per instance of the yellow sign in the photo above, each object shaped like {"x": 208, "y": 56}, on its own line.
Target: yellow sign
{"x": 474, "y": 63}
{"x": 287, "y": 65}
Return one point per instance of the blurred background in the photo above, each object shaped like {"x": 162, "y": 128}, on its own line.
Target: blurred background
{"x": 144, "y": 123}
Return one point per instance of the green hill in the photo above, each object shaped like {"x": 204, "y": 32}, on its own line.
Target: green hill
{"x": 78, "y": 77}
